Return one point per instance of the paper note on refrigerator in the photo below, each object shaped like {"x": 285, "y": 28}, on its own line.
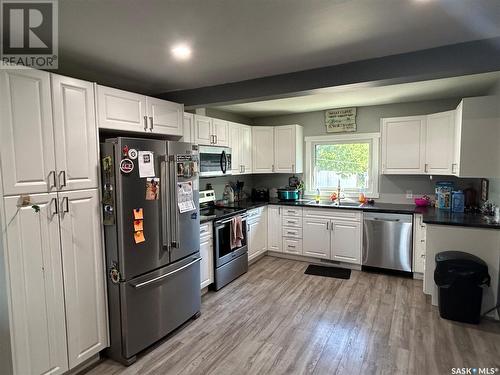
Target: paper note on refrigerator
{"x": 146, "y": 164}
{"x": 185, "y": 197}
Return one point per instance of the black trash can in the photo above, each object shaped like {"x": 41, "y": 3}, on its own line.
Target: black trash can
{"x": 460, "y": 277}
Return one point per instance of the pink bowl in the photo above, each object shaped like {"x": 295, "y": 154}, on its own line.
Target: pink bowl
{"x": 421, "y": 202}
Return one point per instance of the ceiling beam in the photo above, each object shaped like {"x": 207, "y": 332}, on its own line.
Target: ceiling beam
{"x": 441, "y": 62}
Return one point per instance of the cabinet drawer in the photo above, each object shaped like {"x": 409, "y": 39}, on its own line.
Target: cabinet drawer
{"x": 206, "y": 230}
{"x": 292, "y": 221}
{"x": 255, "y": 212}
{"x": 292, "y": 232}
{"x": 292, "y": 246}
{"x": 295, "y": 211}
{"x": 333, "y": 213}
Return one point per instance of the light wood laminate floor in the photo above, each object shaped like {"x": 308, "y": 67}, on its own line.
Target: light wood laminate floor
{"x": 276, "y": 320}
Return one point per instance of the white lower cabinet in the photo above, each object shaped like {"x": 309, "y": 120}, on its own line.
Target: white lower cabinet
{"x": 207, "y": 255}
{"x": 419, "y": 244}
{"x": 83, "y": 269}
{"x": 332, "y": 234}
{"x": 56, "y": 278}
{"x": 274, "y": 242}
{"x": 38, "y": 324}
{"x": 316, "y": 242}
{"x": 257, "y": 232}
{"x": 346, "y": 241}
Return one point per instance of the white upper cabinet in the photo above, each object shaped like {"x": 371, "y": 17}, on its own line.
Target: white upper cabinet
{"x": 26, "y": 132}
{"x": 83, "y": 270}
{"x": 165, "y": 117}
{"x": 240, "y": 141}
{"x": 403, "y": 145}
{"x": 220, "y": 130}
{"x": 38, "y": 324}
{"x": 203, "y": 130}
{"x": 477, "y": 137}
{"x": 75, "y": 133}
{"x": 263, "y": 149}
{"x": 121, "y": 110}
{"x": 234, "y": 143}
{"x": 439, "y": 143}
{"x": 128, "y": 111}
{"x": 288, "y": 149}
{"x": 188, "y": 128}
{"x": 346, "y": 241}
{"x": 245, "y": 145}
{"x": 211, "y": 131}
{"x": 274, "y": 242}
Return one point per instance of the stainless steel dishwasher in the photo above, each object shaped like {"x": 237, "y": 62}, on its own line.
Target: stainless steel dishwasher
{"x": 387, "y": 241}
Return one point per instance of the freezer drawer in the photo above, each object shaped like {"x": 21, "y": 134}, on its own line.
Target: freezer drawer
{"x": 159, "y": 302}
{"x": 387, "y": 241}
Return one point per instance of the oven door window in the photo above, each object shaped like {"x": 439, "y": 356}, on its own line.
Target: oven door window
{"x": 224, "y": 239}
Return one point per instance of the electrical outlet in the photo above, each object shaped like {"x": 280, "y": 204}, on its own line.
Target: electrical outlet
{"x": 409, "y": 194}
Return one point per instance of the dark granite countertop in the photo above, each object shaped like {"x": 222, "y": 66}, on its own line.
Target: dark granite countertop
{"x": 430, "y": 215}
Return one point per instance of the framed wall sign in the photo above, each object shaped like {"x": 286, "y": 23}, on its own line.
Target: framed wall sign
{"x": 340, "y": 120}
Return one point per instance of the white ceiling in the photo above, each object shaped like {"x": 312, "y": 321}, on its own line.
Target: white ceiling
{"x": 338, "y": 97}
{"x": 126, "y": 43}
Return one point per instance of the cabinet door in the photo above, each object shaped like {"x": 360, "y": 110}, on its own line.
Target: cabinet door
{"x": 263, "y": 149}
{"x": 165, "y": 117}
{"x": 284, "y": 149}
{"x": 36, "y": 286}
{"x": 246, "y": 148}
{"x": 207, "y": 259}
{"x": 75, "y": 133}
{"x": 26, "y": 138}
{"x": 188, "y": 128}
{"x": 220, "y": 129}
{"x": 403, "y": 145}
{"x": 316, "y": 237}
{"x": 121, "y": 110}
{"x": 236, "y": 152}
{"x": 203, "y": 130}
{"x": 439, "y": 144}
{"x": 83, "y": 265}
{"x": 274, "y": 242}
{"x": 257, "y": 237}
{"x": 346, "y": 241}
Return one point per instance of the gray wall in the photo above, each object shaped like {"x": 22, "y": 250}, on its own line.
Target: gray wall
{"x": 392, "y": 188}
{"x": 228, "y": 116}
{"x": 495, "y": 182}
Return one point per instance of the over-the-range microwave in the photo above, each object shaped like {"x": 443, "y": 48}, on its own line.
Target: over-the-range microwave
{"x": 215, "y": 161}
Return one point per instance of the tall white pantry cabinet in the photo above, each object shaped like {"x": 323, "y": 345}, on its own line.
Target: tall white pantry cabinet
{"x": 51, "y": 226}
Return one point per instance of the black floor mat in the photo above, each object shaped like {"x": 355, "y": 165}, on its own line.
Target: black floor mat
{"x": 339, "y": 273}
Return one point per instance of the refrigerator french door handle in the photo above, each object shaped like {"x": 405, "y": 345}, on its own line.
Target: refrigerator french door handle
{"x": 174, "y": 217}
{"x": 164, "y": 192}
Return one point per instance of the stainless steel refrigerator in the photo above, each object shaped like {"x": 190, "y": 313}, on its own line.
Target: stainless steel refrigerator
{"x": 151, "y": 224}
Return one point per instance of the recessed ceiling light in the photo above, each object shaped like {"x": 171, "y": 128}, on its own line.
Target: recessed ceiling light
{"x": 181, "y": 51}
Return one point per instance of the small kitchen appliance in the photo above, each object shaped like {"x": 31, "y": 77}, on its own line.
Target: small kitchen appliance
{"x": 215, "y": 161}
{"x": 288, "y": 194}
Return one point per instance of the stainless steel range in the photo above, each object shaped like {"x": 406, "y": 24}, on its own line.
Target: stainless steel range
{"x": 229, "y": 262}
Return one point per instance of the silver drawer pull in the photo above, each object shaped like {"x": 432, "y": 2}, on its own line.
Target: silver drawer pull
{"x": 292, "y": 246}
{"x": 291, "y": 232}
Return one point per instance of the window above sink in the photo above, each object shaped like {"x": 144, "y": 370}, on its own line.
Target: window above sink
{"x": 352, "y": 159}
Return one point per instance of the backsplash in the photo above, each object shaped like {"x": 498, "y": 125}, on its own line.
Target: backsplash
{"x": 392, "y": 187}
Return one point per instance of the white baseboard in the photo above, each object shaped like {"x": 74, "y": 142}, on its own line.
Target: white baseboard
{"x": 321, "y": 262}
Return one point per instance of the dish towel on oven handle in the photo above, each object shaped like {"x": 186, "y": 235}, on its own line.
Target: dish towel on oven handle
{"x": 236, "y": 232}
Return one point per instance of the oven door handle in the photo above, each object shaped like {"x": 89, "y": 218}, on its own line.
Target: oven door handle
{"x": 218, "y": 224}
{"x": 159, "y": 278}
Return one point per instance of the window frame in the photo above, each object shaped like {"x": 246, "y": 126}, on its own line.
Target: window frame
{"x": 374, "y": 161}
